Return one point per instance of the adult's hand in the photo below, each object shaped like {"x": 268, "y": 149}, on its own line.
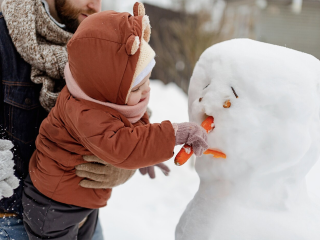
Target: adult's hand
{"x": 98, "y": 174}
{"x": 8, "y": 181}
{"x": 150, "y": 170}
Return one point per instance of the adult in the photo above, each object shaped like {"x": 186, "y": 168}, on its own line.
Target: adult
{"x": 33, "y": 55}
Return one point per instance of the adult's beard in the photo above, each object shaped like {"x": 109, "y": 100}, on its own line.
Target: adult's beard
{"x": 69, "y": 14}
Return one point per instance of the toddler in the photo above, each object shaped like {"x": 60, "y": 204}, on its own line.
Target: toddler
{"x": 101, "y": 112}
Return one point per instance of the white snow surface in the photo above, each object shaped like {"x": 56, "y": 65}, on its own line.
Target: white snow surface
{"x": 271, "y": 136}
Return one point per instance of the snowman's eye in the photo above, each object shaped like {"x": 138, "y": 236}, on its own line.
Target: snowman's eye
{"x": 206, "y": 86}
{"x": 227, "y": 104}
{"x": 234, "y": 92}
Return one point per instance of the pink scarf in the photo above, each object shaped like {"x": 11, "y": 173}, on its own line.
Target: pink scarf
{"x": 132, "y": 113}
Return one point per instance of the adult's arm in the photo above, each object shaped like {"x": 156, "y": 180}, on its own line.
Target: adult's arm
{"x": 8, "y": 181}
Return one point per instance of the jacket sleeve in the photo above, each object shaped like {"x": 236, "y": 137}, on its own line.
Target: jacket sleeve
{"x": 126, "y": 147}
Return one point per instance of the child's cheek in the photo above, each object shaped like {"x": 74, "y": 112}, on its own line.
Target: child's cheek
{"x": 134, "y": 98}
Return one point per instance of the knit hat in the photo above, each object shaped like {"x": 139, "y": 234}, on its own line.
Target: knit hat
{"x": 109, "y": 54}
{"x": 145, "y": 71}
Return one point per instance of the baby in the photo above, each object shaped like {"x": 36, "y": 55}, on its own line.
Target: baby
{"x": 101, "y": 112}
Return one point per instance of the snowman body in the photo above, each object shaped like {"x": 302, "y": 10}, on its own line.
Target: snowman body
{"x": 271, "y": 136}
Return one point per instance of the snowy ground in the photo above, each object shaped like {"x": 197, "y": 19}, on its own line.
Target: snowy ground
{"x": 145, "y": 209}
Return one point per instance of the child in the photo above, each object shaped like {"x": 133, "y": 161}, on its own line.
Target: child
{"x": 101, "y": 112}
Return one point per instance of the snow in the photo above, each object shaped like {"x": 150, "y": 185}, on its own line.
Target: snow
{"x": 271, "y": 136}
{"x": 187, "y": 150}
{"x": 145, "y": 209}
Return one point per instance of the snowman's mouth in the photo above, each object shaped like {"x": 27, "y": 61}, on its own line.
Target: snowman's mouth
{"x": 208, "y": 125}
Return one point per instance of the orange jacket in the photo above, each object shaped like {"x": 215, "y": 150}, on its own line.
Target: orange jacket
{"x": 76, "y": 127}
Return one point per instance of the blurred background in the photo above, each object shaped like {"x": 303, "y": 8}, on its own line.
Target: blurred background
{"x": 145, "y": 209}
{"x": 183, "y": 29}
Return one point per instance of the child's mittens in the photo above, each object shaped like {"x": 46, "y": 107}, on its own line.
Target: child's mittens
{"x": 193, "y": 135}
{"x": 150, "y": 170}
{"x": 101, "y": 175}
{"x": 8, "y": 181}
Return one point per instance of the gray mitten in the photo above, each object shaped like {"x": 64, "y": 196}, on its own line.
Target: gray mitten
{"x": 8, "y": 181}
{"x": 193, "y": 135}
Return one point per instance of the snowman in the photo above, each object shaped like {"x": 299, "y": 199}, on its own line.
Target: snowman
{"x": 265, "y": 102}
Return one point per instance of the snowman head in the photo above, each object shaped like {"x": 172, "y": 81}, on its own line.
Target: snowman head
{"x": 272, "y": 125}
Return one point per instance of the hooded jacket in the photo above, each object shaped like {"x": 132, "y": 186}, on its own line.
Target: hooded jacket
{"x": 77, "y": 127}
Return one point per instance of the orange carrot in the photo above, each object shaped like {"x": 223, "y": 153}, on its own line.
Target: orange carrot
{"x": 208, "y": 124}
{"x": 186, "y": 151}
{"x": 215, "y": 154}
{"x": 183, "y": 155}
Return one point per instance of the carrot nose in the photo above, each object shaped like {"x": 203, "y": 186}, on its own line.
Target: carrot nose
{"x": 208, "y": 124}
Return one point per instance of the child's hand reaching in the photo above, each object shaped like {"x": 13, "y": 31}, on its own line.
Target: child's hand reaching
{"x": 151, "y": 172}
{"x": 193, "y": 135}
